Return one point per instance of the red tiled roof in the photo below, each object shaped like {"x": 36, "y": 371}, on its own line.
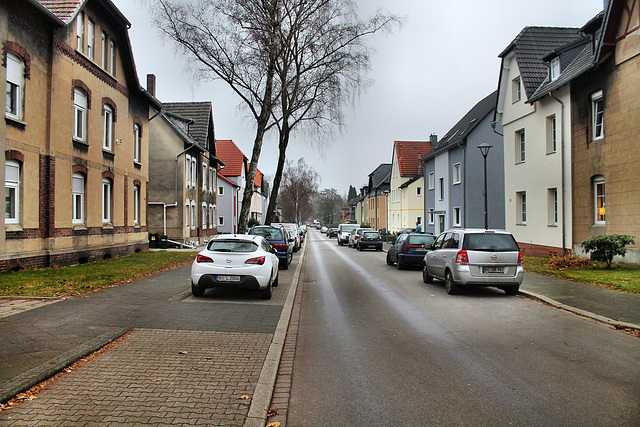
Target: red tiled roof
{"x": 409, "y": 154}
{"x": 258, "y": 180}
{"x": 63, "y": 9}
{"x": 232, "y": 156}
{"x": 225, "y": 179}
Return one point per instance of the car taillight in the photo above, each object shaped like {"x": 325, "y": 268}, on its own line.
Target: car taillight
{"x": 279, "y": 247}
{"x": 202, "y": 258}
{"x": 520, "y": 258}
{"x": 259, "y": 260}
{"x": 462, "y": 257}
{"x": 407, "y": 247}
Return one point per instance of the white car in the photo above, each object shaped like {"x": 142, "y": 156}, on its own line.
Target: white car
{"x": 236, "y": 261}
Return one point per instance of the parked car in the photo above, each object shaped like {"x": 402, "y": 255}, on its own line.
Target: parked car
{"x": 279, "y": 240}
{"x": 370, "y": 239}
{"x": 409, "y": 248}
{"x": 355, "y": 236}
{"x": 236, "y": 261}
{"x": 323, "y": 230}
{"x": 344, "y": 230}
{"x": 333, "y": 232}
{"x": 475, "y": 257}
{"x": 295, "y": 232}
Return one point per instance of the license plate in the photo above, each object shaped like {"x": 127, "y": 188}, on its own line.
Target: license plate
{"x": 493, "y": 269}
{"x": 228, "y": 278}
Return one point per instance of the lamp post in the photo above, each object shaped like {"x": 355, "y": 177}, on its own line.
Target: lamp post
{"x": 484, "y": 150}
{"x": 386, "y": 215}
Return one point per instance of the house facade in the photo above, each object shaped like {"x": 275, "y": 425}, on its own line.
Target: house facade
{"x": 183, "y": 171}
{"x": 377, "y": 197}
{"x": 75, "y": 135}
{"x": 454, "y": 174}
{"x": 227, "y": 205}
{"x": 406, "y": 206}
{"x": 235, "y": 170}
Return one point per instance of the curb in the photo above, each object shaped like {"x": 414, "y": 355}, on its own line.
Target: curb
{"x": 602, "y": 319}
{"x": 32, "y": 377}
{"x": 257, "y": 416}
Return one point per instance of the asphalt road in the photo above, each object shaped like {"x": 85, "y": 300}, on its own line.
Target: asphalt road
{"x": 377, "y": 346}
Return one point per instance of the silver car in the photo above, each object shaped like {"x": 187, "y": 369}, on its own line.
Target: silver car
{"x": 356, "y": 235}
{"x": 475, "y": 257}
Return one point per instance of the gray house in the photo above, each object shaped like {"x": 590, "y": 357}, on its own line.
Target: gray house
{"x": 454, "y": 174}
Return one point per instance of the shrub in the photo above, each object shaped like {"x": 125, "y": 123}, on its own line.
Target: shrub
{"x": 569, "y": 261}
{"x": 252, "y": 222}
{"x": 605, "y": 247}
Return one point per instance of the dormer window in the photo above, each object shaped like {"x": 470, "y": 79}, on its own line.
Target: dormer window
{"x": 555, "y": 68}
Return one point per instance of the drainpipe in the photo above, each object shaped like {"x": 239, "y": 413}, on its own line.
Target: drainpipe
{"x": 562, "y": 143}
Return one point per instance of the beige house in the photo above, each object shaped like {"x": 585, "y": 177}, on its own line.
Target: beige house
{"x": 75, "y": 135}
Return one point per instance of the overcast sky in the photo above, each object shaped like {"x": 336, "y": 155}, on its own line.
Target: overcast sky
{"x": 427, "y": 75}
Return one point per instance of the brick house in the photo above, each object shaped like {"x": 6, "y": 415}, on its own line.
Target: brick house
{"x": 75, "y": 135}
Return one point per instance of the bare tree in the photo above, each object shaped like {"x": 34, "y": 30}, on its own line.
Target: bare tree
{"x": 329, "y": 203}
{"x": 322, "y": 61}
{"x": 235, "y": 41}
{"x": 299, "y": 185}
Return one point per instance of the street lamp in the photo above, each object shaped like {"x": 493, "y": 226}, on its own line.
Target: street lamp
{"x": 386, "y": 214}
{"x": 484, "y": 150}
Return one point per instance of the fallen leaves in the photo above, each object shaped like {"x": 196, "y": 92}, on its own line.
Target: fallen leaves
{"x": 274, "y": 424}
{"x": 244, "y": 397}
{"x": 272, "y": 412}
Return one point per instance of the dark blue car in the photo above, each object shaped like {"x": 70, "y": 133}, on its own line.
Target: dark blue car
{"x": 409, "y": 249}
{"x": 277, "y": 238}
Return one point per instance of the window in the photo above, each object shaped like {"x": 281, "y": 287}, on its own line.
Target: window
{"x": 136, "y": 204}
{"x": 441, "y": 186}
{"x": 457, "y": 174}
{"x": 204, "y": 216}
{"x": 193, "y": 214}
{"x": 212, "y": 216}
{"x": 521, "y": 208}
{"x": 432, "y": 218}
{"x": 104, "y": 52}
{"x": 78, "y": 198}
{"x": 220, "y": 191}
{"x": 187, "y": 214}
{"x": 15, "y": 85}
{"x": 137, "y": 143}
{"x": 457, "y": 216}
{"x": 194, "y": 172}
{"x": 599, "y": 204}
{"x": 90, "y": 38}
{"x": 419, "y": 191}
{"x": 552, "y": 207}
{"x": 597, "y": 115}
{"x": 106, "y": 200}
{"x": 551, "y": 134}
{"x": 432, "y": 180}
{"x": 516, "y": 91}
{"x": 80, "y": 32}
{"x": 204, "y": 176}
{"x": 520, "y": 146}
{"x": 112, "y": 63}
{"x": 80, "y": 115}
{"x": 12, "y": 192}
{"x": 220, "y": 220}
{"x": 211, "y": 180}
{"x": 555, "y": 68}
{"x": 107, "y": 139}
{"x": 187, "y": 169}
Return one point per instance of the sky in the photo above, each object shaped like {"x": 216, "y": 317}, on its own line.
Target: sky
{"x": 426, "y": 76}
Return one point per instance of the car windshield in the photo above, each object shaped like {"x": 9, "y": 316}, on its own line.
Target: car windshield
{"x": 490, "y": 242}
{"x": 268, "y": 233}
{"x": 425, "y": 240}
{"x": 371, "y": 235}
{"x": 232, "y": 246}
{"x": 348, "y": 228}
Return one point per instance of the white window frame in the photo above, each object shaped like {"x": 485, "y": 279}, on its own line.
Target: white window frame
{"x": 597, "y": 115}
{"x": 205, "y": 168}
{"x": 194, "y": 172}
{"x": 521, "y": 208}
{"x": 441, "y": 188}
{"x": 552, "y": 207}
{"x": 432, "y": 180}
{"x": 136, "y": 204}
{"x": 457, "y": 173}
{"x": 552, "y": 134}
{"x": 212, "y": 180}
{"x": 554, "y": 68}
{"x": 80, "y": 33}
{"x": 220, "y": 191}
{"x": 521, "y": 146}
{"x": 91, "y": 38}
{"x": 204, "y": 216}
{"x": 137, "y": 142}
{"x": 516, "y": 90}
{"x": 457, "y": 216}
{"x": 220, "y": 221}
{"x": 212, "y": 216}
{"x": 107, "y": 135}
{"x": 12, "y": 187}
{"x": 80, "y": 106}
{"x": 187, "y": 170}
{"x": 78, "y": 197}
{"x": 432, "y": 218}
{"x": 15, "y": 86}
{"x": 419, "y": 191}
{"x": 187, "y": 214}
{"x": 112, "y": 63}
{"x": 599, "y": 210}
{"x": 104, "y": 53}
{"x": 193, "y": 215}
{"x": 107, "y": 196}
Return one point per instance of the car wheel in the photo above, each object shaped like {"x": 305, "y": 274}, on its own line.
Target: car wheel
{"x": 450, "y": 285}
{"x": 379, "y": 249}
{"x": 275, "y": 282}
{"x": 511, "y": 290}
{"x": 359, "y": 247}
{"x": 389, "y": 262}
{"x": 267, "y": 292}
{"x": 399, "y": 264}
{"x": 196, "y": 291}
{"x": 426, "y": 277}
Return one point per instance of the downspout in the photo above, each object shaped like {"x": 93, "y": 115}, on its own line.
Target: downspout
{"x": 464, "y": 190}
{"x": 562, "y": 143}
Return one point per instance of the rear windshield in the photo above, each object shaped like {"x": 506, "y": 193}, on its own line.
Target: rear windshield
{"x": 490, "y": 242}
{"x": 371, "y": 235}
{"x": 268, "y": 233}
{"x": 348, "y": 228}
{"x": 232, "y": 246}
{"x": 421, "y": 240}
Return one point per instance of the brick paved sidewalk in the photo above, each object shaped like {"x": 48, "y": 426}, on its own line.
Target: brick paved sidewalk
{"x": 155, "y": 377}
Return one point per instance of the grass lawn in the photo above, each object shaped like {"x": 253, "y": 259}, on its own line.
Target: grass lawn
{"x": 624, "y": 277}
{"x": 56, "y": 282}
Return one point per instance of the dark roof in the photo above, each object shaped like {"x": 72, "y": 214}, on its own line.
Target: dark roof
{"x": 462, "y": 129}
{"x": 200, "y": 114}
{"x": 378, "y": 176}
{"x": 412, "y": 180}
{"x": 531, "y": 45}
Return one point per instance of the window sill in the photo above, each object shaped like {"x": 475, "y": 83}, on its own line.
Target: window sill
{"x": 108, "y": 154}
{"x": 80, "y": 145}
{"x": 520, "y": 162}
{"x": 137, "y": 164}
{"x": 15, "y": 122}
{"x": 13, "y": 227}
{"x": 79, "y": 227}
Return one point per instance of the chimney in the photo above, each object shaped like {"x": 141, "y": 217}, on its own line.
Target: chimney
{"x": 151, "y": 84}
{"x": 433, "y": 139}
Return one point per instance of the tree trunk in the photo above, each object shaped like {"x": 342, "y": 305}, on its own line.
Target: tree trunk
{"x": 284, "y": 142}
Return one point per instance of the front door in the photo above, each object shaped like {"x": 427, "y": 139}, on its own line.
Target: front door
{"x": 441, "y": 223}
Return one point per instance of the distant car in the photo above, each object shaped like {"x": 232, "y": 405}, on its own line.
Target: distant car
{"x": 236, "y": 261}
{"x": 295, "y": 232}
{"x": 344, "y": 230}
{"x": 333, "y": 232}
{"x": 409, "y": 249}
{"x": 475, "y": 257}
{"x": 370, "y": 239}
{"x": 279, "y": 240}
{"x": 323, "y": 230}
{"x": 355, "y": 236}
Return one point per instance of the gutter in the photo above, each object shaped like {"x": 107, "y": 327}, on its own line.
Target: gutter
{"x": 562, "y": 145}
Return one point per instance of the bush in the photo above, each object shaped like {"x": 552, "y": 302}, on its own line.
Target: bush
{"x": 253, "y": 222}
{"x": 605, "y": 247}
{"x": 569, "y": 261}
